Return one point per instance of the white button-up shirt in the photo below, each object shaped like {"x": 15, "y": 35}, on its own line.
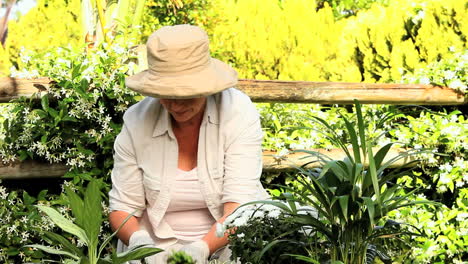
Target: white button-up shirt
{"x": 229, "y": 158}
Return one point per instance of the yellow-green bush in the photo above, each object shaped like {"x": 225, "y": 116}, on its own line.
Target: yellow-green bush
{"x": 52, "y": 23}
{"x": 283, "y": 40}
{"x": 290, "y": 40}
{"x": 405, "y": 36}
{"x": 163, "y": 12}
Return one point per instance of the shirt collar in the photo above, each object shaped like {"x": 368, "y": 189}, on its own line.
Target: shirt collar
{"x": 163, "y": 122}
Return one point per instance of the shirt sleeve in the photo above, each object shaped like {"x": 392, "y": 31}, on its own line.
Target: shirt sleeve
{"x": 243, "y": 159}
{"x": 127, "y": 193}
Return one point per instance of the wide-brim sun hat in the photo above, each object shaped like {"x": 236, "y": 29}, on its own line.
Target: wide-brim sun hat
{"x": 180, "y": 66}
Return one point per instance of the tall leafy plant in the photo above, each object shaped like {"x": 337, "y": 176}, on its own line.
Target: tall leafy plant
{"x": 353, "y": 196}
{"x": 101, "y": 17}
{"x": 86, "y": 228}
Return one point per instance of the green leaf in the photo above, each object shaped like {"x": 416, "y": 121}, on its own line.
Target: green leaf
{"x": 76, "y": 205}
{"x": 354, "y": 141}
{"x": 63, "y": 223}
{"x": 76, "y": 71}
{"x": 343, "y": 200}
{"x": 53, "y": 112}
{"x": 45, "y": 103}
{"x": 304, "y": 258}
{"x": 40, "y": 113}
{"x": 373, "y": 174}
{"x": 381, "y": 153}
{"x": 67, "y": 245}
{"x": 361, "y": 126}
{"x": 27, "y": 199}
{"x": 370, "y": 208}
{"x": 52, "y": 250}
{"x": 268, "y": 247}
{"x": 109, "y": 238}
{"x": 135, "y": 253}
{"x": 275, "y": 203}
{"x": 23, "y": 155}
{"x": 93, "y": 214}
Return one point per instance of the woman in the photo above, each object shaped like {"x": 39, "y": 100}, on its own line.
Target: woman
{"x": 188, "y": 154}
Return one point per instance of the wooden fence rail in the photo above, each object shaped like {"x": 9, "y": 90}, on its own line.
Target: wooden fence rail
{"x": 294, "y": 92}
{"x": 271, "y": 163}
{"x": 260, "y": 91}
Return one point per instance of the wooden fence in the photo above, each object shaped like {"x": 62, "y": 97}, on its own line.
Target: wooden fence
{"x": 259, "y": 91}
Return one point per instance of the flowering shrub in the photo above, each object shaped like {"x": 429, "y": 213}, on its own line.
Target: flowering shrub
{"x": 77, "y": 121}
{"x": 19, "y": 225}
{"x": 451, "y": 71}
{"x": 76, "y": 124}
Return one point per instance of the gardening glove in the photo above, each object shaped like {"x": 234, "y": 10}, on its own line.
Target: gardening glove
{"x": 198, "y": 250}
{"x": 142, "y": 237}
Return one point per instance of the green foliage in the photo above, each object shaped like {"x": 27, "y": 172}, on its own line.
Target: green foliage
{"x": 291, "y": 40}
{"x": 281, "y": 40}
{"x": 171, "y": 12}
{"x": 352, "y": 199}
{"x": 405, "y": 36}
{"x": 354, "y": 195}
{"x": 450, "y": 71}
{"x": 346, "y": 8}
{"x": 81, "y": 116}
{"x": 86, "y": 227}
{"x": 263, "y": 233}
{"x": 180, "y": 257}
{"x": 103, "y": 21}
{"x": 20, "y": 223}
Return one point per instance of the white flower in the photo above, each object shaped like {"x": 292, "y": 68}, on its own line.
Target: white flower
{"x": 25, "y": 74}
{"x": 3, "y": 192}
{"x": 446, "y": 167}
{"x": 424, "y": 80}
{"x": 63, "y": 62}
{"x": 448, "y": 75}
{"x": 453, "y": 131}
{"x": 118, "y": 49}
{"x": 457, "y": 84}
{"x": 419, "y": 16}
{"x": 444, "y": 178}
{"x": 240, "y": 221}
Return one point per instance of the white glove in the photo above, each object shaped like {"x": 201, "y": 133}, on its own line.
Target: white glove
{"x": 198, "y": 250}
{"x": 139, "y": 238}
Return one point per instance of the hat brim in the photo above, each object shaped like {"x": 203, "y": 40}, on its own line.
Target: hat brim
{"x": 214, "y": 78}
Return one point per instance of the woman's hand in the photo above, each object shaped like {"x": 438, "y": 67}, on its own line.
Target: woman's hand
{"x": 198, "y": 250}
{"x": 143, "y": 238}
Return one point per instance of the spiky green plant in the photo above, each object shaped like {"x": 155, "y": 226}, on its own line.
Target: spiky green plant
{"x": 353, "y": 196}
{"x": 86, "y": 227}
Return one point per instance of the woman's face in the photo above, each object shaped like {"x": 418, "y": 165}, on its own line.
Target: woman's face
{"x": 184, "y": 110}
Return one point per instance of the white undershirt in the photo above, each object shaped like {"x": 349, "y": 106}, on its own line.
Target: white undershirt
{"x": 188, "y": 214}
